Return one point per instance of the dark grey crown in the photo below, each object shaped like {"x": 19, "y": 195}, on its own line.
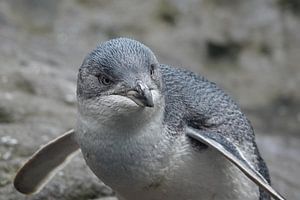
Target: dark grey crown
{"x": 122, "y": 52}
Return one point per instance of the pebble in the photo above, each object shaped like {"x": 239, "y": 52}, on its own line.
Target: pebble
{"x": 8, "y": 140}
{"x": 6, "y": 155}
{"x": 106, "y": 198}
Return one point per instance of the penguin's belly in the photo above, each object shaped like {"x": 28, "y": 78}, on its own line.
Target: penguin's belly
{"x": 137, "y": 170}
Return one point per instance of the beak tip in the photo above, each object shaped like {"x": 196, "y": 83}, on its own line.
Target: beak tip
{"x": 141, "y": 100}
{"x": 144, "y": 102}
{"x": 151, "y": 105}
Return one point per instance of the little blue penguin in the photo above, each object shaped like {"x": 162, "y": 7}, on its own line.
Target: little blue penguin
{"x": 154, "y": 132}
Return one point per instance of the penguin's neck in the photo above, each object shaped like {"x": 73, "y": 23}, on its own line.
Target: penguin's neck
{"x": 144, "y": 125}
{"x": 130, "y": 125}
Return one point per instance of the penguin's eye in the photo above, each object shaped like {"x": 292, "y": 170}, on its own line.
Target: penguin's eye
{"x": 105, "y": 80}
{"x": 152, "y": 70}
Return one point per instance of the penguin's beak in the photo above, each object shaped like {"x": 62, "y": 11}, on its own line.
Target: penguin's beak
{"x": 141, "y": 95}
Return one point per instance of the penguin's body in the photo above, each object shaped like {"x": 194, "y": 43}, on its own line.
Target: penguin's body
{"x": 151, "y": 131}
{"x": 162, "y": 163}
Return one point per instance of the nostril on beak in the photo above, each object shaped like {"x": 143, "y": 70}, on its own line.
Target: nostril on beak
{"x": 141, "y": 87}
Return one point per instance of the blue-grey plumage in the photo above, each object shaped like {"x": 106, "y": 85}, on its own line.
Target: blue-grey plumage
{"x": 201, "y": 104}
{"x": 133, "y": 128}
{"x": 152, "y": 132}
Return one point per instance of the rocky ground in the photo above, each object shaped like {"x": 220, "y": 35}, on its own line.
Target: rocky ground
{"x": 250, "y": 48}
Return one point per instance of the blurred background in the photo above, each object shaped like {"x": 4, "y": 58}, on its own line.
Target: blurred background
{"x": 251, "y": 49}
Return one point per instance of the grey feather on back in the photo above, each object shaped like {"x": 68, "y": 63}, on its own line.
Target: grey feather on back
{"x": 193, "y": 100}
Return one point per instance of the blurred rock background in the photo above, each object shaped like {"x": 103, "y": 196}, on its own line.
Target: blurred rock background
{"x": 250, "y": 48}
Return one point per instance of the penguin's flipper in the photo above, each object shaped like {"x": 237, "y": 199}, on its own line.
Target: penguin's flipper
{"x": 43, "y": 165}
{"x": 234, "y": 155}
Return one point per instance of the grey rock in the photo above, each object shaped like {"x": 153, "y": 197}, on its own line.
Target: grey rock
{"x": 265, "y": 69}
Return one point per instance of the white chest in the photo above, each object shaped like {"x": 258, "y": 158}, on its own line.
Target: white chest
{"x": 150, "y": 166}
{"x": 125, "y": 156}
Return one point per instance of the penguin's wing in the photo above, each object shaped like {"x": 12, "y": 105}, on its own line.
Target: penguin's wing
{"x": 234, "y": 155}
{"x": 43, "y": 165}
